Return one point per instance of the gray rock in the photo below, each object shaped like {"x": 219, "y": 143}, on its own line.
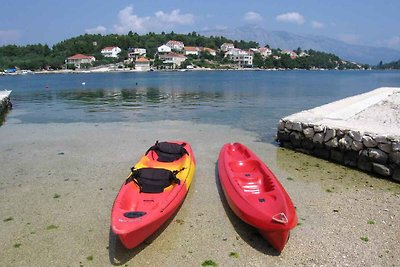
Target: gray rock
{"x": 355, "y": 136}
{"x": 296, "y": 126}
{"x": 345, "y": 142}
{"x": 368, "y": 141}
{"x": 329, "y": 134}
{"x": 319, "y": 128}
{"x": 381, "y": 169}
{"x": 357, "y": 146}
{"x": 283, "y": 136}
{"x": 318, "y": 137}
{"x": 307, "y": 144}
{"x": 296, "y": 138}
{"x": 350, "y": 158}
{"x": 394, "y": 157}
{"x": 281, "y": 125}
{"x": 396, "y": 175}
{"x": 339, "y": 133}
{"x": 381, "y": 139}
{"x": 332, "y": 143}
{"x": 321, "y": 153}
{"x": 337, "y": 156}
{"x": 385, "y": 147}
{"x": 396, "y": 146}
{"x": 377, "y": 155}
{"x": 364, "y": 164}
{"x": 289, "y": 125}
{"x": 308, "y": 132}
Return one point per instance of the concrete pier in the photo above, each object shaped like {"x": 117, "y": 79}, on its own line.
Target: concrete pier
{"x": 5, "y": 101}
{"x": 361, "y": 131}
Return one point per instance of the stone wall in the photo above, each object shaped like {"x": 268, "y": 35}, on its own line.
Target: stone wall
{"x": 365, "y": 151}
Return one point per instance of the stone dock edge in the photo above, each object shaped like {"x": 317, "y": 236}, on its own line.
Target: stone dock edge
{"x": 368, "y": 152}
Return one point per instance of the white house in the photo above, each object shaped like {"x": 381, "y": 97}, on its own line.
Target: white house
{"x": 292, "y": 54}
{"x": 176, "y": 45}
{"x": 191, "y": 50}
{"x": 227, "y": 46}
{"x": 142, "y": 64}
{"x": 172, "y": 59}
{"x": 265, "y": 51}
{"x": 111, "y": 51}
{"x": 241, "y": 57}
{"x": 164, "y": 49}
{"x": 79, "y": 59}
{"x": 134, "y": 53}
{"x": 209, "y": 50}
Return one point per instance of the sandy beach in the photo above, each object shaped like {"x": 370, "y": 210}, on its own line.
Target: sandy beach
{"x": 58, "y": 183}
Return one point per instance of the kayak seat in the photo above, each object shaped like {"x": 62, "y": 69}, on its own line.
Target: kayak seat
{"x": 168, "y": 152}
{"x": 152, "y": 180}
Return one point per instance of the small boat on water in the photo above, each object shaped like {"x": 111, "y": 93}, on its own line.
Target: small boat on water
{"x": 153, "y": 191}
{"x": 255, "y": 195}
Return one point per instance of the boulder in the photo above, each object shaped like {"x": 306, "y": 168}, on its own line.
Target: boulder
{"x": 350, "y": 158}
{"x": 289, "y": 125}
{"x": 329, "y": 134}
{"x": 318, "y": 137}
{"x": 319, "y": 128}
{"x": 396, "y": 146}
{"x": 345, "y": 142}
{"x": 394, "y": 157}
{"x": 381, "y": 139}
{"x": 357, "y": 146}
{"x": 396, "y": 175}
{"x": 332, "y": 143}
{"x": 377, "y": 155}
{"x": 337, "y": 156}
{"x": 381, "y": 169}
{"x": 296, "y": 138}
{"x": 385, "y": 147}
{"x": 368, "y": 141}
{"x": 296, "y": 126}
{"x": 355, "y": 136}
{"x": 308, "y": 132}
{"x": 281, "y": 125}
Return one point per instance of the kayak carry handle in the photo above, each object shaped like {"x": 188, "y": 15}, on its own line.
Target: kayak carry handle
{"x": 280, "y": 218}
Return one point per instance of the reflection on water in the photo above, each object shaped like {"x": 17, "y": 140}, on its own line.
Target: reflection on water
{"x": 251, "y": 100}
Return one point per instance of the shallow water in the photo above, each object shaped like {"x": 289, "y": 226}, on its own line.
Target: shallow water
{"x": 251, "y": 100}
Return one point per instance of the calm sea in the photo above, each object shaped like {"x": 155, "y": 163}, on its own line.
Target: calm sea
{"x": 252, "y": 100}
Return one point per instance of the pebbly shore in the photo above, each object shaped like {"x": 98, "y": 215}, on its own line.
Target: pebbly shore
{"x": 362, "y": 131}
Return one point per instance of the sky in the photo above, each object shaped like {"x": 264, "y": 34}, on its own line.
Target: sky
{"x": 364, "y": 22}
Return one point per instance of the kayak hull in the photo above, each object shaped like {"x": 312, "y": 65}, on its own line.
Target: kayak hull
{"x": 255, "y": 194}
{"x": 136, "y": 215}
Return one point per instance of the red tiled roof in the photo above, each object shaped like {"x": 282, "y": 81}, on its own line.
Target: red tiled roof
{"x": 142, "y": 59}
{"x": 172, "y": 54}
{"x": 80, "y": 56}
{"x": 108, "y": 48}
{"x": 191, "y": 48}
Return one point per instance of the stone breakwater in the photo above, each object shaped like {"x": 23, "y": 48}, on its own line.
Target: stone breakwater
{"x": 361, "y": 131}
{"x": 366, "y": 151}
{"x": 5, "y": 102}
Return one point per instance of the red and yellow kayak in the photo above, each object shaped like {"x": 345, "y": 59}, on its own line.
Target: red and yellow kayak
{"x": 255, "y": 195}
{"x": 153, "y": 191}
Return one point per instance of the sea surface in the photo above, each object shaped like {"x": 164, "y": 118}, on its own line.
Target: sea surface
{"x": 251, "y": 100}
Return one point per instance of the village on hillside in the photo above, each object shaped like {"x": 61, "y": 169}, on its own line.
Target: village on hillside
{"x": 175, "y": 55}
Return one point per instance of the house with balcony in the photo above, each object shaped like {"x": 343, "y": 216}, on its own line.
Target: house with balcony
{"x": 172, "y": 60}
{"x": 208, "y": 50}
{"x": 244, "y": 59}
{"x": 142, "y": 64}
{"x": 227, "y": 46}
{"x": 191, "y": 50}
{"x": 175, "y": 45}
{"x": 78, "y": 59}
{"x": 111, "y": 51}
{"x": 265, "y": 52}
{"x": 135, "y": 53}
{"x": 163, "y": 49}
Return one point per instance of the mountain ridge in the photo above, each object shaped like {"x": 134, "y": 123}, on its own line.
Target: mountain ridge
{"x": 287, "y": 40}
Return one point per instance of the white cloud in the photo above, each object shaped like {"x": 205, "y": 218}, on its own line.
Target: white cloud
{"x": 175, "y": 17}
{"x": 317, "y": 25}
{"x": 292, "y": 17}
{"x": 252, "y": 17}
{"x": 128, "y": 21}
{"x": 98, "y": 30}
{"x": 9, "y": 36}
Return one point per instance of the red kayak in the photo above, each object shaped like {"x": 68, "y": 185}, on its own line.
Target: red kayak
{"x": 153, "y": 191}
{"x": 255, "y": 194}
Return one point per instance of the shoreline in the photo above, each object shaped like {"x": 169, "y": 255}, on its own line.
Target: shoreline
{"x": 59, "y": 182}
